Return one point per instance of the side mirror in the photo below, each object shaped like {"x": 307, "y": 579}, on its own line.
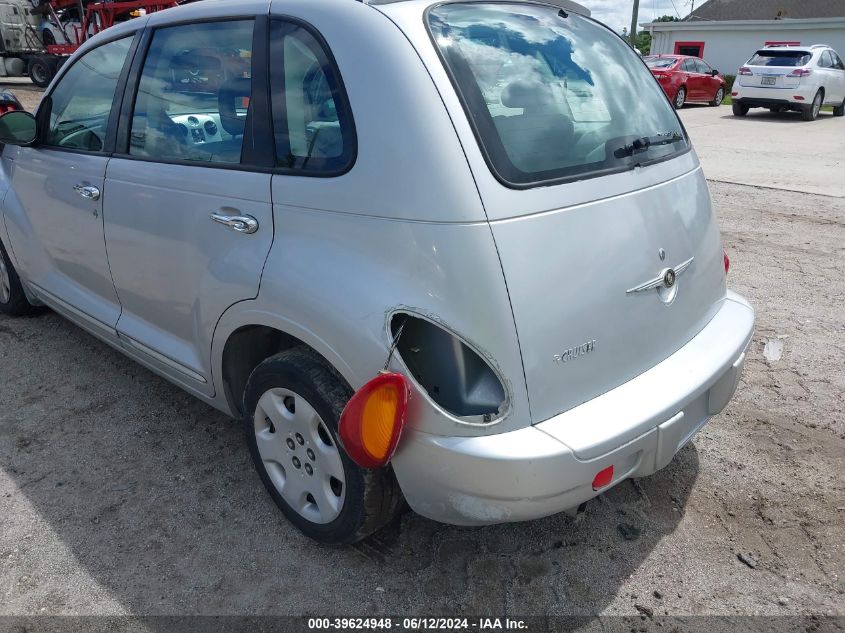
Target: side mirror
{"x": 18, "y": 128}
{"x": 714, "y": 72}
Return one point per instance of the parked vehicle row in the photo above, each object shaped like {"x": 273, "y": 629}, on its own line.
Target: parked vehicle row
{"x": 459, "y": 252}
{"x": 800, "y": 78}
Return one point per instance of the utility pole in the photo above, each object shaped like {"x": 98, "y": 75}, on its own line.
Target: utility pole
{"x": 632, "y": 34}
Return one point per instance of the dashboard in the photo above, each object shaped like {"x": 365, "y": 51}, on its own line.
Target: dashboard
{"x": 199, "y": 128}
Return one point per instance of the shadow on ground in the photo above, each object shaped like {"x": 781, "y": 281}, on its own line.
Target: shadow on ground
{"x": 151, "y": 500}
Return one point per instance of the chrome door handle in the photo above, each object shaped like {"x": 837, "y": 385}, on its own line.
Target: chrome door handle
{"x": 240, "y": 223}
{"x": 87, "y": 191}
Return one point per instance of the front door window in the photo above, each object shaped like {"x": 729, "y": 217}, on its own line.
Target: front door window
{"x": 194, "y": 94}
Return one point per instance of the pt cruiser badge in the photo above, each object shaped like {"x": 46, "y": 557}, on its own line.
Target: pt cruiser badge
{"x": 574, "y": 352}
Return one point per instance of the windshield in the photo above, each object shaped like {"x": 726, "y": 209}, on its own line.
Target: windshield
{"x": 780, "y": 58}
{"x": 553, "y": 95}
{"x": 659, "y": 62}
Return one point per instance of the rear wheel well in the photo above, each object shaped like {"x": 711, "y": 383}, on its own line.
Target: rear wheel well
{"x": 246, "y": 348}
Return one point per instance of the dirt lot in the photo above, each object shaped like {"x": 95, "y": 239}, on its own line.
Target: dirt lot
{"x": 120, "y": 494}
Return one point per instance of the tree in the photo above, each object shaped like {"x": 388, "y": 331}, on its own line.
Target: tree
{"x": 642, "y": 42}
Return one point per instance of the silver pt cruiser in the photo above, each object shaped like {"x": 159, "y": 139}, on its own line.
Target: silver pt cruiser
{"x": 459, "y": 252}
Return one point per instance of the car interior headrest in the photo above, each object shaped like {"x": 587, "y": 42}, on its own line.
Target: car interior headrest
{"x": 233, "y": 94}
{"x": 527, "y": 94}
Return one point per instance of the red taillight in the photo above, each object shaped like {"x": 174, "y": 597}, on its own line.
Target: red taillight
{"x": 372, "y": 421}
{"x": 603, "y": 478}
{"x": 745, "y": 70}
{"x": 798, "y": 97}
{"x": 801, "y": 72}
{"x": 727, "y": 261}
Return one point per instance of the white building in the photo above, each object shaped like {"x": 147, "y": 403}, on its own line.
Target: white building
{"x": 726, "y": 33}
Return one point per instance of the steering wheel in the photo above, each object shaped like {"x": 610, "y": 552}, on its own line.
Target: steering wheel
{"x": 84, "y": 138}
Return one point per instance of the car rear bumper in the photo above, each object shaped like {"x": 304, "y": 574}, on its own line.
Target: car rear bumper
{"x": 550, "y": 467}
{"x": 766, "y": 97}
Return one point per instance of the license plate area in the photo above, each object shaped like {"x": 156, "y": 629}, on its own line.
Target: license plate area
{"x": 769, "y": 81}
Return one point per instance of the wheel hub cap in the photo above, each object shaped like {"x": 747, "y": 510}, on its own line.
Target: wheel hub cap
{"x": 5, "y": 283}
{"x": 300, "y": 455}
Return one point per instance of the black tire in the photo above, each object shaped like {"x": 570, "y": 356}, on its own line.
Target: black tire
{"x": 680, "y": 98}
{"x": 739, "y": 109}
{"x": 12, "y": 298}
{"x": 810, "y": 112}
{"x": 718, "y": 97}
{"x": 41, "y": 71}
{"x": 839, "y": 110}
{"x": 371, "y": 497}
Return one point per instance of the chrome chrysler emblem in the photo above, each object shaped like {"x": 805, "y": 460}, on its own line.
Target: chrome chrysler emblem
{"x": 666, "y": 279}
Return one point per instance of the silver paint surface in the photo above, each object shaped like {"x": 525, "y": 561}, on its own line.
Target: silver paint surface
{"x": 418, "y": 224}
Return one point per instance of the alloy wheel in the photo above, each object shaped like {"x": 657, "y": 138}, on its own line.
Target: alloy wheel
{"x": 720, "y": 95}
{"x": 817, "y": 104}
{"x": 300, "y": 455}
{"x": 5, "y": 282}
{"x": 680, "y": 97}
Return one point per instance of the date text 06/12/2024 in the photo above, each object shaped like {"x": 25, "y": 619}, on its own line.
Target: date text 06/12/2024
{"x": 417, "y": 624}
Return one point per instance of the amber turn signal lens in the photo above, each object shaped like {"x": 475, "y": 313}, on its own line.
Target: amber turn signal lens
{"x": 372, "y": 421}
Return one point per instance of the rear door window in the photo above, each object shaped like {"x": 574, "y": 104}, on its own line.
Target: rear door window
{"x": 779, "y": 58}
{"x": 552, "y": 95}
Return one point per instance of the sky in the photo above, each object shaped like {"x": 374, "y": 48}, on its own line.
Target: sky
{"x": 617, "y": 13}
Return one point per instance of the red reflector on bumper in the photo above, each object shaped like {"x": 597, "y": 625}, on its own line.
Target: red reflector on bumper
{"x": 603, "y": 478}
{"x": 798, "y": 98}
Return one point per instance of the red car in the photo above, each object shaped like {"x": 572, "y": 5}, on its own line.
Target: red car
{"x": 684, "y": 78}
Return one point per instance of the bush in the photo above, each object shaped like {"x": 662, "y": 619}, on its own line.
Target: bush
{"x": 729, "y": 82}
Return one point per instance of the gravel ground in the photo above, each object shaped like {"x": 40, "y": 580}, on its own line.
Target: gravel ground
{"x": 119, "y": 494}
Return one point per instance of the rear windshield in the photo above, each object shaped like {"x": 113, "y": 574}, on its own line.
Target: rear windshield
{"x": 659, "y": 62}
{"x": 552, "y": 95}
{"x": 780, "y": 58}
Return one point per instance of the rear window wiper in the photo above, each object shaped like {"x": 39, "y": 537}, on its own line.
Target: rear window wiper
{"x": 642, "y": 143}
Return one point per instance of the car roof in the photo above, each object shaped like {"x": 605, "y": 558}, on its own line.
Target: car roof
{"x": 568, "y": 5}
{"x": 787, "y": 49}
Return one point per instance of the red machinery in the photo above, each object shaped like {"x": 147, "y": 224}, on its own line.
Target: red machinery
{"x": 93, "y": 18}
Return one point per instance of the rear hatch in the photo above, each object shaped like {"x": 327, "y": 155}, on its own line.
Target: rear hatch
{"x": 603, "y": 223}
{"x": 774, "y": 69}
{"x": 571, "y": 275}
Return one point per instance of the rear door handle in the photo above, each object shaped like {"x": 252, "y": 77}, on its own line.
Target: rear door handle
{"x": 87, "y": 191}
{"x": 240, "y": 223}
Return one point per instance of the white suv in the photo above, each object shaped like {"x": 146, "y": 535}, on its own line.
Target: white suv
{"x": 791, "y": 78}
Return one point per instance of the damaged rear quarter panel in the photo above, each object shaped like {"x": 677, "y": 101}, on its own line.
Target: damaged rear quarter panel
{"x": 343, "y": 276}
